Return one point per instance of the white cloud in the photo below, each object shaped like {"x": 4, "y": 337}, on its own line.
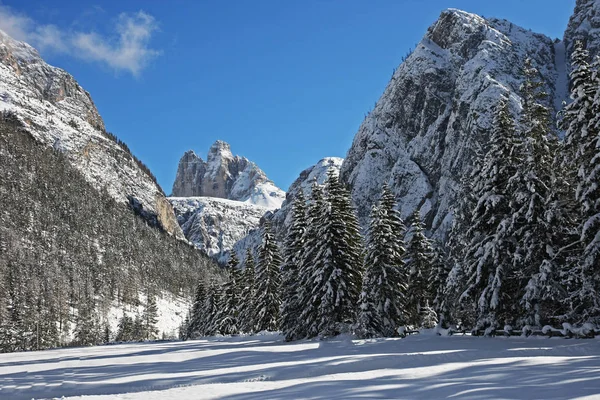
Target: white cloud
{"x": 128, "y": 49}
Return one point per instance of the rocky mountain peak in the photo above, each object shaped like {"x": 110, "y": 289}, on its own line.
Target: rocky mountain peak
{"x": 219, "y": 149}
{"x": 436, "y": 112}
{"x": 225, "y": 176}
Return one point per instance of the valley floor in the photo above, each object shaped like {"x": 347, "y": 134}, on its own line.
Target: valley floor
{"x": 265, "y": 367}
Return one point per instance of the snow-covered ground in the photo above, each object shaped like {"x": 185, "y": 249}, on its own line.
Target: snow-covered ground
{"x": 265, "y": 367}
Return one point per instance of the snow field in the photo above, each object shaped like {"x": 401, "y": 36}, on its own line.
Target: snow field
{"x": 266, "y": 367}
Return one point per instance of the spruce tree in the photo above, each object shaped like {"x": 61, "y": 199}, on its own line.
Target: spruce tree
{"x": 291, "y": 306}
{"x": 208, "y": 321}
{"x": 487, "y": 264}
{"x": 531, "y": 190}
{"x": 194, "y": 325}
{"x": 228, "y": 314}
{"x": 419, "y": 263}
{"x": 150, "y": 318}
{"x": 268, "y": 282}
{"x": 247, "y": 307}
{"x": 336, "y": 270}
{"x": 586, "y": 299}
{"x": 385, "y": 277}
{"x": 307, "y": 326}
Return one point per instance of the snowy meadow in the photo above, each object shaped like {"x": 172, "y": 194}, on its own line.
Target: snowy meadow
{"x": 250, "y": 367}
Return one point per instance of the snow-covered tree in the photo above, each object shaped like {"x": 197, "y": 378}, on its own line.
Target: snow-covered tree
{"x": 336, "y": 264}
{"x": 531, "y": 189}
{"x": 194, "y": 327}
{"x": 150, "y": 318}
{"x": 584, "y": 285}
{"x": 208, "y": 321}
{"x": 227, "y": 316}
{"x": 291, "y": 307}
{"x": 385, "y": 277}
{"x": 268, "y": 282}
{"x": 486, "y": 268}
{"x": 246, "y": 310}
{"x": 419, "y": 263}
{"x": 307, "y": 325}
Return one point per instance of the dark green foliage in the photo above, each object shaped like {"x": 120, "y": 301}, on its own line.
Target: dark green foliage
{"x": 383, "y": 298}
{"x": 62, "y": 243}
{"x": 228, "y": 313}
{"x": 268, "y": 283}
{"x": 419, "y": 263}
{"x": 332, "y": 263}
{"x": 149, "y": 319}
{"x": 248, "y": 295}
{"x": 291, "y": 306}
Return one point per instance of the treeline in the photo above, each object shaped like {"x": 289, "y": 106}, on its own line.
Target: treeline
{"x": 126, "y": 149}
{"x": 325, "y": 281}
{"x": 524, "y": 250}
{"x": 68, "y": 251}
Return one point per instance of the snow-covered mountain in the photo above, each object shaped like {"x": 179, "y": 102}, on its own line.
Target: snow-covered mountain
{"x": 60, "y": 113}
{"x": 215, "y": 225}
{"x": 436, "y": 111}
{"x": 220, "y": 200}
{"x": 225, "y": 176}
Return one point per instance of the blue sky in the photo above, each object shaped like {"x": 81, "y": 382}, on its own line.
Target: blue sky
{"x": 286, "y": 83}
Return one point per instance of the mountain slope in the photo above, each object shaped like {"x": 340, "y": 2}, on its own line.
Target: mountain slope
{"x": 435, "y": 113}
{"x": 215, "y": 225}
{"x": 71, "y": 256}
{"x": 225, "y": 176}
{"x": 59, "y": 113}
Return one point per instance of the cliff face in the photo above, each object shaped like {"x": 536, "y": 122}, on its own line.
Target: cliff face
{"x": 437, "y": 109}
{"x": 584, "y": 24}
{"x": 225, "y": 176}
{"x": 59, "y": 113}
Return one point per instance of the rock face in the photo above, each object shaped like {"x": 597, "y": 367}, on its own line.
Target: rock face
{"x": 584, "y": 24}
{"x": 59, "y": 113}
{"x": 437, "y": 109}
{"x": 215, "y": 225}
{"x": 225, "y": 176}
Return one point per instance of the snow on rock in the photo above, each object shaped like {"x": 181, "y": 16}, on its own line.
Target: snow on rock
{"x": 436, "y": 112}
{"x": 215, "y": 225}
{"x": 225, "y": 176}
{"x": 584, "y": 24}
{"x": 60, "y": 113}
{"x": 423, "y": 366}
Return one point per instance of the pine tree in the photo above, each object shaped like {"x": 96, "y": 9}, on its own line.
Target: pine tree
{"x": 487, "y": 263}
{"x": 125, "y": 329}
{"x": 291, "y": 306}
{"x": 194, "y": 325}
{"x": 248, "y": 295}
{"x": 268, "y": 283}
{"x": 336, "y": 269}
{"x": 150, "y": 318}
{"x": 307, "y": 325}
{"x": 438, "y": 277}
{"x": 531, "y": 190}
{"x": 419, "y": 263}
{"x": 208, "y": 322}
{"x": 585, "y": 299}
{"x": 228, "y": 314}
{"x": 385, "y": 277}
